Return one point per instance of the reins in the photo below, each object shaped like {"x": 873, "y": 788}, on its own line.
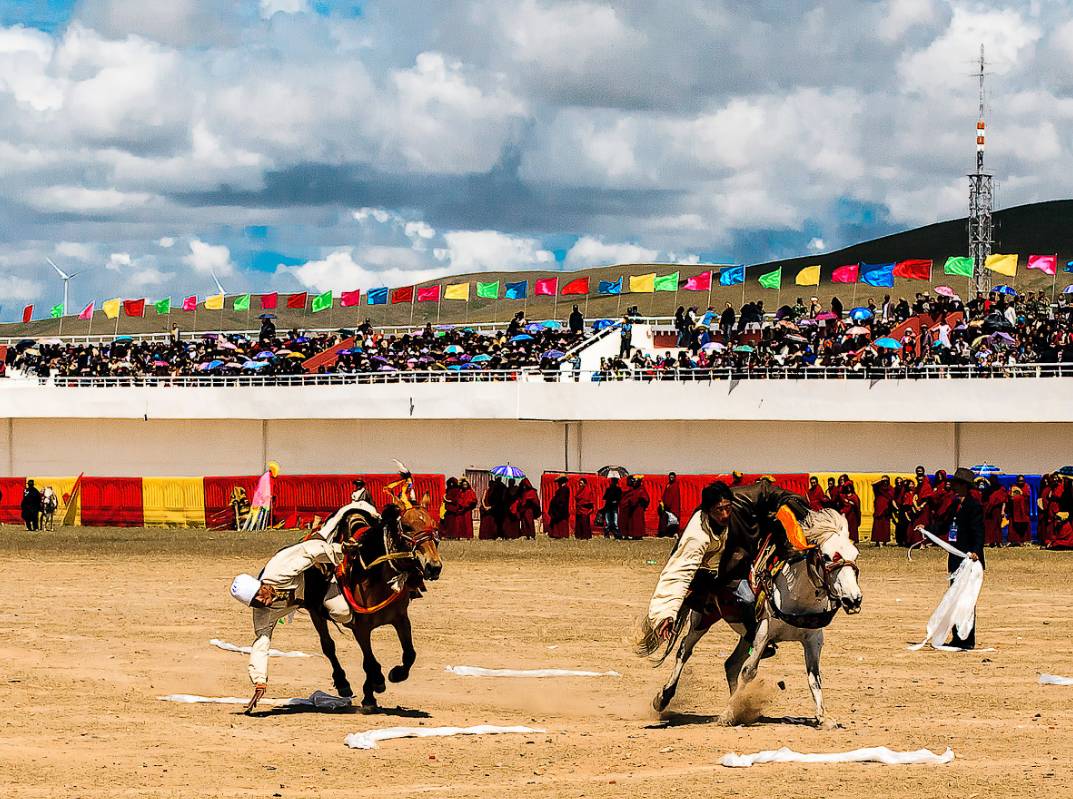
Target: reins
{"x": 413, "y": 541}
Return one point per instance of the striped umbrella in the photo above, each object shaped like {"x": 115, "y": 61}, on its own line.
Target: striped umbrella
{"x": 512, "y": 472}
{"x": 985, "y": 469}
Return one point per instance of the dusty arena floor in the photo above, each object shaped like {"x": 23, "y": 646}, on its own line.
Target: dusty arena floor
{"x": 97, "y": 624}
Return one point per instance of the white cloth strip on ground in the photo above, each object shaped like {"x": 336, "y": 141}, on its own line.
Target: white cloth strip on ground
{"x": 369, "y": 739}
{"x": 478, "y": 671}
{"x": 875, "y": 754}
{"x": 245, "y": 650}
{"x": 1054, "y": 679}
{"x": 318, "y": 699}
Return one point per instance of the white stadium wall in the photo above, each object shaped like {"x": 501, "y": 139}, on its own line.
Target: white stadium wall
{"x": 780, "y": 426}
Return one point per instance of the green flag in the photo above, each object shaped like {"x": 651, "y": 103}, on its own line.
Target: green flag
{"x": 956, "y": 265}
{"x": 488, "y": 291}
{"x": 322, "y": 302}
{"x": 163, "y": 307}
{"x": 242, "y": 302}
{"x": 667, "y": 282}
{"x": 772, "y": 280}
{"x": 57, "y": 311}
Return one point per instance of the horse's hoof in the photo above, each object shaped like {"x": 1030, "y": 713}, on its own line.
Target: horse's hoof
{"x": 380, "y": 687}
{"x": 345, "y": 690}
{"x": 660, "y": 702}
{"x": 725, "y": 720}
{"x": 828, "y": 724}
{"x": 398, "y": 674}
{"x": 369, "y": 707}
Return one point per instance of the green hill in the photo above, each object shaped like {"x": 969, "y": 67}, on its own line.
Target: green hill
{"x": 1039, "y": 228}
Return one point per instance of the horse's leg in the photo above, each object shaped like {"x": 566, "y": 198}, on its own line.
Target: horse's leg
{"x": 327, "y": 646}
{"x": 685, "y": 651}
{"x": 406, "y": 641}
{"x": 752, "y": 663}
{"x": 733, "y": 664}
{"x": 813, "y": 645}
{"x": 374, "y": 676}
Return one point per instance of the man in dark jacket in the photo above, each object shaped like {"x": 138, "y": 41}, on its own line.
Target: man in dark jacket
{"x": 31, "y": 506}
{"x": 969, "y": 527}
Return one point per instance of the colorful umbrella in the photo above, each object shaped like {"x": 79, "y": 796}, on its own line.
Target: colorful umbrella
{"x": 507, "y": 470}
{"x": 888, "y": 343}
{"x": 982, "y": 469}
{"x": 1068, "y": 289}
{"x": 858, "y": 331}
{"x": 713, "y": 346}
{"x": 551, "y": 324}
{"x": 826, "y": 316}
{"x": 522, "y": 337}
{"x": 1007, "y": 290}
{"x": 453, "y": 349}
{"x": 743, "y": 348}
{"x": 860, "y": 314}
{"x": 945, "y": 291}
{"x": 264, "y": 356}
{"x": 1001, "y": 336}
{"x": 553, "y": 354}
{"x": 253, "y": 365}
{"x": 482, "y": 358}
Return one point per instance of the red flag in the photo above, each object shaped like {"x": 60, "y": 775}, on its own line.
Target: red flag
{"x": 546, "y": 285}
{"x": 402, "y": 295}
{"x": 428, "y": 294}
{"x": 846, "y": 274}
{"x": 269, "y": 302}
{"x": 1047, "y": 264}
{"x": 701, "y": 282}
{"x": 297, "y": 300}
{"x": 579, "y": 285}
{"x": 190, "y": 303}
{"x": 134, "y": 307}
{"x": 914, "y": 269}
{"x": 348, "y": 299}
{"x": 27, "y": 314}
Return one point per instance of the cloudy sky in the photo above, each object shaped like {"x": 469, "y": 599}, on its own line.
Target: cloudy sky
{"x": 354, "y": 143}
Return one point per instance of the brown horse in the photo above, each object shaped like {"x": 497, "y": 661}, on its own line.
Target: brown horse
{"x": 386, "y": 565}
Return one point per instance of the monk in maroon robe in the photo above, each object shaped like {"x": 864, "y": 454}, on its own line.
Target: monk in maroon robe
{"x": 1043, "y": 517}
{"x": 584, "y": 507}
{"x": 944, "y": 504}
{"x": 882, "y": 510}
{"x": 559, "y": 510}
{"x": 527, "y": 508}
{"x": 467, "y": 501}
{"x": 632, "y": 510}
{"x": 994, "y": 509}
{"x": 834, "y": 494}
{"x": 492, "y": 508}
{"x": 452, "y": 526}
{"x": 815, "y": 494}
{"x": 850, "y": 507}
{"x": 904, "y": 495}
{"x": 1061, "y": 500}
{"x": 512, "y": 527}
{"x": 1019, "y": 514}
{"x": 671, "y": 503}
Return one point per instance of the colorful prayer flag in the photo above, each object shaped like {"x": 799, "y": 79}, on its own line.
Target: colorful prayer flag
{"x": 516, "y": 291}
{"x": 609, "y": 287}
{"x": 459, "y": 291}
{"x": 809, "y": 276}
{"x": 879, "y": 275}
{"x": 732, "y": 276}
{"x": 546, "y": 286}
{"x": 405, "y": 294}
{"x": 579, "y": 285}
{"x": 701, "y": 282}
{"x": 959, "y": 265}
{"x": 56, "y": 311}
{"x": 348, "y": 299}
{"x": 111, "y": 308}
{"x": 772, "y": 280}
{"x": 163, "y": 307}
{"x": 1003, "y": 264}
{"x": 667, "y": 282}
{"x": 134, "y": 307}
{"x": 296, "y": 301}
{"x": 377, "y": 296}
{"x": 214, "y": 303}
{"x": 27, "y": 314}
{"x": 269, "y": 302}
{"x": 190, "y": 303}
{"x": 87, "y": 312}
{"x": 429, "y": 293}
{"x": 322, "y": 301}
{"x": 488, "y": 291}
{"x": 643, "y": 284}
{"x": 846, "y": 274}
{"x": 914, "y": 269}
{"x": 1047, "y": 264}
{"x": 241, "y": 302}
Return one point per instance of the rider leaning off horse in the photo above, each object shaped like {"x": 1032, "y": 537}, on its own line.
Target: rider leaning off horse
{"x": 717, "y": 547}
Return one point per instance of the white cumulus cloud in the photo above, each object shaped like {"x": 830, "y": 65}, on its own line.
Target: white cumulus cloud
{"x": 591, "y": 251}
{"x": 207, "y": 259}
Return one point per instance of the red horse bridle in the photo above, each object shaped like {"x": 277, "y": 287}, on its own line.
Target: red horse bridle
{"x": 413, "y": 540}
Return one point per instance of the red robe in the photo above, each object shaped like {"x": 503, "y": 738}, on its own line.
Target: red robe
{"x": 527, "y": 508}
{"x": 1062, "y": 502}
{"x": 512, "y": 527}
{"x": 1020, "y": 529}
{"x": 1043, "y": 519}
{"x": 584, "y": 507}
{"x": 457, "y": 517}
{"x": 559, "y": 513}
{"x": 1056, "y": 502}
{"x": 817, "y": 498}
{"x": 851, "y": 508}
{"x": 631, "y": 515}
{"x": 672, "y": 503}
{"x": 883, "y": 510}
{"x": 903, "y": 499}
{"x": 993, "y": 511}
{"x": 490, "y": 526}
{"x": 943, "y": 507}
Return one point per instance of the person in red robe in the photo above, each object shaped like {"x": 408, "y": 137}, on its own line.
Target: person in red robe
{"x": 944, "y": 504}
{"x": 451, "y": 510}
{"x": 670, "y": 506}
{"x": 467, "y": 501}
{"x": 584, "y": 507}
{"x": 850, "y": 507}
{"x": 922, "y": 494}
{"x": 904, "y": 496}
{"x": 815, "y": 495}
{"x": 559, "y": 510}
{"x": 1056, "y": 500}
{"x": 1043, "y": 517}
{"x": 491, "y": 510}
{"x": 1062, "y": 525}
{"x": 994, "y": 509}
{"x": 512, "y": 527}
{"x": 834, "y": 494}
{"x": 632, "y": 510}
{"x": 882, "y": 510}
{"x": 527, "y": 508}
{"x": 1019, "y": 514}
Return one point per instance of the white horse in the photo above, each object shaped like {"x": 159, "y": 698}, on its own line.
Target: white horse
{"x": 49, "y": 504}
{"x": 800, "y": 600}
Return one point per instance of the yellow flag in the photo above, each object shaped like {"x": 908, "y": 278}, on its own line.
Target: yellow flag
{"x": 111, "y": 308}
{"x": 456, "y": 291}
{"x": 214, "y": 303}
{"x": 643, "y": 284}
{"x": 809, "y": 276}
{"x": 1003, "y": 264}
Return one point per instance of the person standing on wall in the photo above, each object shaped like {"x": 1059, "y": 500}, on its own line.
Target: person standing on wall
{"x": 967, "y": 534}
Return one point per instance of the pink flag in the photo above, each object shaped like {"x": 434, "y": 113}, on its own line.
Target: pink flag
{"x": 428, "y": 294}
{"x": 87, "y": 312}
{"x": 349, "y": 299}
{"x": 546, "y": 285}
{"x": 190, "y": 303}
{"x": 1048, "y": 264}
{"x": 701, "y": 282}
{"x": 846, "y": 274}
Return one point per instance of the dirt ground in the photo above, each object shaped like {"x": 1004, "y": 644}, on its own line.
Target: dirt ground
{"x": 97, "y": 624}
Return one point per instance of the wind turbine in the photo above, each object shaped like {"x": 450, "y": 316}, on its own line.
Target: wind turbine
{"x": 216, "y": 280}
{"x": 66, "y": 279}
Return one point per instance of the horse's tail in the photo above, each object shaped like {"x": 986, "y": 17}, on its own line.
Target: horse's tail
{"x": 649, "y": 643}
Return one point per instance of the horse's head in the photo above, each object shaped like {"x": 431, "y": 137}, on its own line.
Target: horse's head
{"x": 417, "y": 530}
{"x": 838, "y": 559}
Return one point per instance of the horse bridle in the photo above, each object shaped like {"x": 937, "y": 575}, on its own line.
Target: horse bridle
{"x": 829, "y": 569}
{"x": 413, "y": 540}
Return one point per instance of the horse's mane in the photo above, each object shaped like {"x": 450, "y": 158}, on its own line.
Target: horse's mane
{"x": 821, "y": 525}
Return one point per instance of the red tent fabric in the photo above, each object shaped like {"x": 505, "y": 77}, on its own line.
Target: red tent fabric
{"x": 11, "y": 489}
{"x": 112, "y": 502}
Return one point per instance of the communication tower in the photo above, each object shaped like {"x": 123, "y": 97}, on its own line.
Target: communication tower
{"x": 981, "y": 200}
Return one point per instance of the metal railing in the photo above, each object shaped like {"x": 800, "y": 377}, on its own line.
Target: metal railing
{"x": 1037, "y": 370}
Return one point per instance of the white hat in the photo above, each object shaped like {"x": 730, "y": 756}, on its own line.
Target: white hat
{"x": 244, "y": 588}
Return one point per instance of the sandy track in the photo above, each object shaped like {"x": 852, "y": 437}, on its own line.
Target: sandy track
{"x": 93, "y": 630}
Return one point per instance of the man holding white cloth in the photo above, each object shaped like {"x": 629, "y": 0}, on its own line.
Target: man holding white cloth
{"x": 969, "y": 538}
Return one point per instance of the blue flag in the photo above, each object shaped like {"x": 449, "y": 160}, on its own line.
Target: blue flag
{"x": 377, "y": 296}
{"x": 610, "y": 287}
{"x": 517, "y": 291}
{"x": 1068, "y": 267}
{"x": 879, "y": 275}
{"x": 732, "y": 276}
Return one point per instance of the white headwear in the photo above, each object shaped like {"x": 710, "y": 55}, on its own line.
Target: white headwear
{"x": 244, "y": 588}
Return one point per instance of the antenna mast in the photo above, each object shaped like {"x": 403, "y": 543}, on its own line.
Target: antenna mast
{"x": 981, "y": 199}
